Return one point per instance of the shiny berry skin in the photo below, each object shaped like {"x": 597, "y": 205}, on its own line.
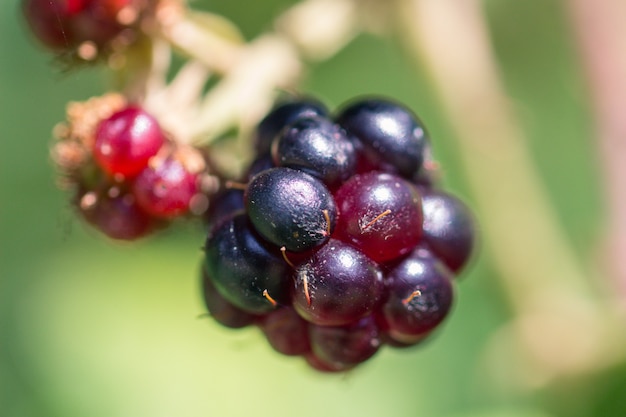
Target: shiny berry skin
{"x": 224, "y": 205}
{"x": 118, "y": 216}
{"x": 64, "y": 24}
{"x": 318, "y": 147}
{"x": 428, "y": 176}
{"x": 165, "y": 189}
{"x": 388, "y": 340}
{"x": 281, "y": 116}
{"x": 125, "y": 142}
{"x": 286, "y": 331}
{"x": 245, "y": 269}
{"x": 393, "y": 138}
{"x": 290, "y": 208}
{"x": 448, "y": 228}
{"x": 220, "y": 309}
{"x": 345, "y": 346}
{"x": 380, "y": 214}
{"x": 325, "y": 367}
{"x": 337, "y": 285}
{"x": 260, "y": 164}
{"x": 51, "y": 31}
{"x": 419, "y": 297}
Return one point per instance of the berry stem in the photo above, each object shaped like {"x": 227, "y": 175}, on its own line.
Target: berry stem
{"x": 205, "y": 37}
{"x": 253, "y": 73}
{"x": 234, "y": 185}
{"x": 248, "y": 90}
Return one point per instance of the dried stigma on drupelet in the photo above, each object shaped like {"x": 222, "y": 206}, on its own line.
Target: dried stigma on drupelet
{"x": 283, "y": 251}
{"x": 269, "y": 298}
{"x": 408, "y": 299}
{"x": 377, "y": 218}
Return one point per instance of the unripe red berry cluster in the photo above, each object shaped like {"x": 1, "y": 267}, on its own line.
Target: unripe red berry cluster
{"x": 338, "y": 240}
{"x": 128, "y": 176}
{"x": 66, "y": 25}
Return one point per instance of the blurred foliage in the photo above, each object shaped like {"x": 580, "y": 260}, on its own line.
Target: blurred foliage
{"x": 91, "y": 328}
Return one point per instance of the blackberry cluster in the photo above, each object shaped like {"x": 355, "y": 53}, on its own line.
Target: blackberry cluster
{"x": 337, "y": 241}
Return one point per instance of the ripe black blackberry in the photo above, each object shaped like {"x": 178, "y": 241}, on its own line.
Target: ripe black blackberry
{"x": 341, "y": 242}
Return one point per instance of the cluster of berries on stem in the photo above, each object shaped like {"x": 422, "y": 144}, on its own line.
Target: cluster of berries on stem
{"x": 337, "y": 240}
{"x": 127, "y": 176}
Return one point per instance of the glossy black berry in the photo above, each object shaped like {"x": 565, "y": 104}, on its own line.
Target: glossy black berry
{"x": 317, "y": 146}
{"x": 428, "y": 175}
{"x": 280, "y": 117}
{"x": 291, "y": 208}
{"x": 220, "y": 309}
{"x": 344, "y": 242}
{"x": 244, "y": 269}
{"x": 337, "y": 285}
{"x": 224, "y": 205}
{"x": 393, "y": 138}
{"x": 419, "y": 297}
{"x": 448, "y": 228}
{"x": 260, "y": 164}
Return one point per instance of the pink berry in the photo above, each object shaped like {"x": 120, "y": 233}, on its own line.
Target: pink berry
{"x": 380, "y": 214}
{"x": 125, "y": 142}
{"x": 165, "y": 190}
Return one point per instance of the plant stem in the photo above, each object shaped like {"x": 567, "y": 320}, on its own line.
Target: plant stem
{"x": 253, "y": 73}
{"x": 543, "y": 279}
{"x": 601, "y": 32}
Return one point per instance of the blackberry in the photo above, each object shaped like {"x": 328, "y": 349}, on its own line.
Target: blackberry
{"x": 393, "y": 138}
{"x": 226, "y": 203}
{"x": 246, "y": 270}
{"x": 419, "y": 296}
{"x": 341, "y": 242}
{"x": 260, "y": 164}
{"x": 337, "y": 285}
{"x": 448, "y": 228}
{"x": 291, "y": 208}
{"x": 282, "y": 115}
{"x": 318, "y": 147}
{"x": 220, "y": 309}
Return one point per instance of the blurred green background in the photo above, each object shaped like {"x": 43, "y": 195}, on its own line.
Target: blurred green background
{"x": 92, "y": 328}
